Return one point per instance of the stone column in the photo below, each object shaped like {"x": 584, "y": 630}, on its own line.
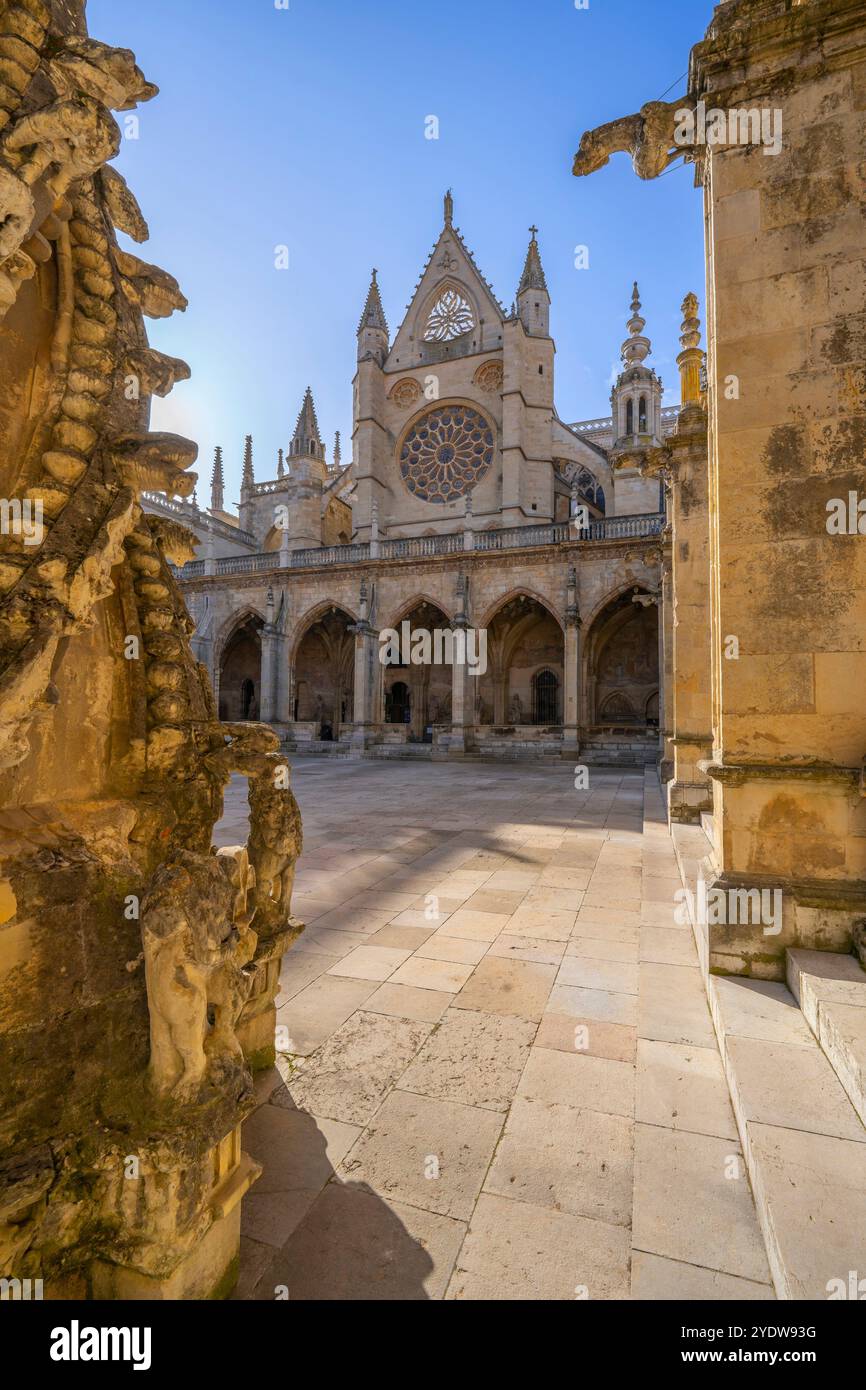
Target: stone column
{"x": 787, "y": 285}
{"x": 267, "y": 700}
{"x": 464, "y": 686}
{"x": 572, "y": 666}
{"x": 666, "y": 662}
{"x": 366, "y": 658}
{"x": 686, "y": 616}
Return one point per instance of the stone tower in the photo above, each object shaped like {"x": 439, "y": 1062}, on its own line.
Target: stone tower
{"x": 307, "y": 476}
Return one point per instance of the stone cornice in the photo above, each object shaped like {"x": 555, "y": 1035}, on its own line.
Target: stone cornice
{"x": 738, "y": 774}
{"x": 782, "y": 38}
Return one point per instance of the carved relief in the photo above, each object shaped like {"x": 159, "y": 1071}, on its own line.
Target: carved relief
{"x": 489, "y": 377}
{"x": 406, "y": 393}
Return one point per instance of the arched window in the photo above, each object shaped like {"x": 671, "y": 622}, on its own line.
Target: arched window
{"x": 641, "y": 415}
{"x": 545, "y": 688}
{"x": 629, "y": 417}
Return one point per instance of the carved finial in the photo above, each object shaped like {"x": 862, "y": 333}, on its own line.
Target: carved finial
{"x": 337, "y": 451}
{"x": 281, "y": 468}
{"x": 449, "y": 208}
{"x": 691, "y": 359}
{"x": 636, "y": 347}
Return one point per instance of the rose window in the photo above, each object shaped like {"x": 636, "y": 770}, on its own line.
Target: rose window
{"x": 450, "y": 318}
{"x": 446, "y": 453}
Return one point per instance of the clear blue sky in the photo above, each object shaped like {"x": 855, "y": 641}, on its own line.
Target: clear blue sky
{"x": 305, "y": 127}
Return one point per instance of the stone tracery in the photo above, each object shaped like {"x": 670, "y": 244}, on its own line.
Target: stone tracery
{"x": 446, "y": 453}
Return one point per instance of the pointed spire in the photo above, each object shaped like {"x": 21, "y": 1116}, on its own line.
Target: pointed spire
{"x": 636, "y": 347}
{"x": 533, "y": 271}
{"x": 281, "y": 467}
{"x": 337, "y": 452}
{"x": 248, "y": 479}
{"x": 217, "y": 482}
{"x": 306, "y": 439}
{"x": 449, "y": 208}
{"x": 373, "y": 315}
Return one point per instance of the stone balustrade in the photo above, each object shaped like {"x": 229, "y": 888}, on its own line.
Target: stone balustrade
{"x": 420, "y": 547}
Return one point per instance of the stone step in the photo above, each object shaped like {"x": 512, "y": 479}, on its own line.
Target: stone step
{"x": 831, "y": 991}
{"x": 803, "y": 1141}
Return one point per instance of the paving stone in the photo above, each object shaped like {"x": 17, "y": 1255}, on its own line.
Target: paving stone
{"x": 319, "y": 1009}
{"x": 577, "y": 1160}
{"x": 579, "y": 1079}
{"x": 503, "y": 986}
{"x": 474, "y": 1058}
{"x": 534, "y": 922}
{"x": 588, "y": 972}
{"x": 298, "y": 1153}
{"x": 353, "y": 1246}
{"x": 430, "y": 1153}
{"x": 454, "y": 948}
{"x": 600, "y": 1004}
{"x": 566, "y": 1034}
{"x": 599, "y": 948}
{"x": 656, "y": 1279}
{"x": 370, "y": 963}
{"x": 686, "y": 1208}
{"x": 667, "y": 946}
{"x": 516, "y": 1251}
{"x": 442, "y": 975}
{"x": 301, "y": 968}
{"x": 350, "y": 1075}
{"x": 404, "y": 938}
{"x": 404, "y": 1001}
{"x": 683, "y": 1087}
{"x": 527, "y": 948}
{"x": 672, "y": 1005}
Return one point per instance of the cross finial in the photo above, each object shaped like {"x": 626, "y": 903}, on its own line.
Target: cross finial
{"x": 533, "y": 231}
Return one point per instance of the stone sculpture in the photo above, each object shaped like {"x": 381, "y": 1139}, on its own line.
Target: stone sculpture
{"x": 648, "y": 136}
{"x": 124, "y": 1076}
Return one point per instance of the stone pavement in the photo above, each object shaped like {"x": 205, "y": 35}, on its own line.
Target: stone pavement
{"x": 499, "y": 1077}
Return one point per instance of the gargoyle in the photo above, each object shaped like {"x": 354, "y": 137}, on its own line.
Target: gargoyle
{"x": 156, "y": 372}
{"x": 109, "y": 75}
{"x": 156, "y": 462}
{"x": 76, "y": 137}
{"x": 155, "y": 291}
{"x": 649, "y": 137}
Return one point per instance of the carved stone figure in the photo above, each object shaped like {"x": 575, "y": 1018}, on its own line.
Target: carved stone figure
{"x": 112, "y": 761}
{"x": 647, "y": 136}
{"x": 197, "y": 939}
{"x": 275, "y": 843}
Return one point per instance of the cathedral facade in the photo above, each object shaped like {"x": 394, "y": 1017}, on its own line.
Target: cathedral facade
{"x": 468, "y": 505}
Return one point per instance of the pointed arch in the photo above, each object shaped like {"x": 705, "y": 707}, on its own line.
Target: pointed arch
{"x": 411, "y": 605}
{"x": 621, "y": 659}
{"x": 519, "y": 591}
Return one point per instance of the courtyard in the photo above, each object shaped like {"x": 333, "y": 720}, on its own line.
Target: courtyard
{"x": 497, "y": 1075}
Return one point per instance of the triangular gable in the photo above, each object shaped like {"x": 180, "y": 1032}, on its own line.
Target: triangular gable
{"x": 449, "y": 265}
